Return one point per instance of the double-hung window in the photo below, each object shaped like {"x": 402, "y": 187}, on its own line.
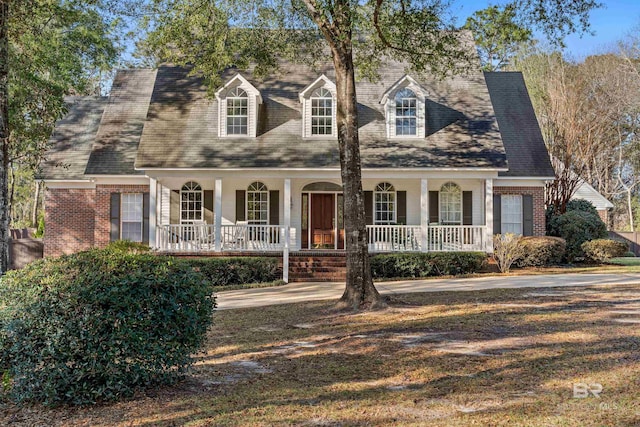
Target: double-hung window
{"x": 258, "y": 203}
{"x": 450, "y": 204}
{"x": 406, "y": 112}
{"x": 131, "y": 217}
{"x": 385, "y": 203}
{"x": 321, "y": 112}
{"x": 191, "y": 203}
{"x": 237, "y": 112}
{"x": 511, "y": 211}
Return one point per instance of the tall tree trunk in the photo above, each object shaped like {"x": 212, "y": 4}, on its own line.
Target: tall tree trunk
{"x": 4, "y": 134}
{"x": 359, "y": 291}
{"x": 36, "y": 203}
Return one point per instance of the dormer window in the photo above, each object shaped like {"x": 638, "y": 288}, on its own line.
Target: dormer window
{"x": 406, "y": 112}
{"x": 318, "y": 109}
{"x": 237, "y": 112}
{"x": 404, "y": 104}
{"x": 238, "y": 105}
{"x": 321, "y": 112}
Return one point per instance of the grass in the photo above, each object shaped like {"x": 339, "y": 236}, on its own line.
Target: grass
{"x": 626, "y": 261}
{"x": 486, "y": 358}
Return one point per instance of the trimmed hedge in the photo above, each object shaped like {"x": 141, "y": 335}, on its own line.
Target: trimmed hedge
{"x": 577, "y": 227}
{"x": 390, "y": 266}
{"x": 237, "y": 270}
{"x": 541, "y": 250}
{"x": 604, "y": 249}
{"x": 97, "y": 325}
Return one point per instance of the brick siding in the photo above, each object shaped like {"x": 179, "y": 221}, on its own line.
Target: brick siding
{"x": 78, "y": 219}
{"x": 539, "y": 227}
{"x": 69, "y": 220}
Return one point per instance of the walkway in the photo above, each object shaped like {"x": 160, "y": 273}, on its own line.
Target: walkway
{"x": 300, "y": 292}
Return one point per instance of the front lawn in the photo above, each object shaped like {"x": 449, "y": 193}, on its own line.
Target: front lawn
{"x": 498, "y": 357}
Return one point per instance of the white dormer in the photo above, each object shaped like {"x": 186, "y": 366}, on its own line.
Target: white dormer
{"x": 238, "y": 104}
{"x": 319, "y": 109}
{"x": 405, "y": 109}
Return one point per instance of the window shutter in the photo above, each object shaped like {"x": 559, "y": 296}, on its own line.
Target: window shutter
{"x": 240, "y": 212}
{"x": 497, "y": 214}
{"x": 115, "y": 216}
{"x": 274, "y": 207}
{"x": 527, "y": 215}
{"x": 208, "y": 206}
{"x": 401, "y": 207}
{"x": 434, "y": 207}
{"x": 368, "y": 207}
{"x": 174, "y": 212}
{"x": 467, "y": 208}
{"x": 145, "y": 218}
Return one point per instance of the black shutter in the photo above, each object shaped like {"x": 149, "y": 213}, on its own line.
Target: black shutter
{"x": 467, "y": 208}
{"x": 208, "y": 206}
{"x": 497, "y": 214}
{"x": 402, "y": 207}
{"x": 368, "y": 207}
{"x": 174, "y": 210}
{"x": 145, "y": 218}
{"x": 527, "y": 215}
{"x": 115, "y": 216}
{"x": 240, "y": 212}
{"x": 434, "y": 207}
{"x": 274, "y": 207}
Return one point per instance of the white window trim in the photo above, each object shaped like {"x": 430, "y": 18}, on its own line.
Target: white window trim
{"x": 253, "y": 105}
{"x": 141, "y": 215}
{"x": 201, "y": 191}
{"x": 440, "y": 204}
{"x": 395, "y": 204}
{"x": 237, "y": 98}
{"x": 503, "y": 198}
{"x": 246, "y": 204}
{"x": 389, "y": 102}
{"x": 305, "y": 99}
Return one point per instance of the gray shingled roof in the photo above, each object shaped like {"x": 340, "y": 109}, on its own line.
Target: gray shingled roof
{"x": 73, "y": 138}
{"x": 521, "y": 135}
{"x": 181, "y": 130}
{"x": 116, "y": 143}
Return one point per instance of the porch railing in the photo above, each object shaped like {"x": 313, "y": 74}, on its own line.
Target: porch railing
{"x": 394, "y": 238}
{"x": 408, "y": 238}
{"x": 201, "y": 237}
{"x": 456, "y": 238}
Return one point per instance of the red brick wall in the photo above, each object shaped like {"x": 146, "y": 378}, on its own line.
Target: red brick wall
{"x": 103, "y": 209}
{"x": 539, "y": 227}
{"x": 604, "y": 216}
{"x": 69, "y": 220}
{"x": 78, "y": 219}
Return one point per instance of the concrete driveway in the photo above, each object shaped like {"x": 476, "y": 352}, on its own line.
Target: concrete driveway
{"x": 313, "y": 291}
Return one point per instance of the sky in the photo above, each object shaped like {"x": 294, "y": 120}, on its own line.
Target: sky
{"x": 610, "y": 24}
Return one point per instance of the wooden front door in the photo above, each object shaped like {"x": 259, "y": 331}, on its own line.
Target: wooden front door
{"x": 322, "y": 221}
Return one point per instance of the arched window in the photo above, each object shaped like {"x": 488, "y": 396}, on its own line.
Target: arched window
{"x": 190, "y": 203}
{"x": 321, "y": 112}
{"x": 257, "y": 203}
{"x": 385, "y": 204}
{"x": 237, "y": 112}
{"x": 450, "y": 204}
{"x": 406, "y": 112}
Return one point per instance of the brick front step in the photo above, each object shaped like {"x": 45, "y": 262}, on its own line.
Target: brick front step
{"x": 317, "y": 268}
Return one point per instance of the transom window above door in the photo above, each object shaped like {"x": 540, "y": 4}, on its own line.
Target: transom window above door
{"x": 257, "y": 203}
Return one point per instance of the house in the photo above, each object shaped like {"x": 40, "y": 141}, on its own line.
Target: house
{"x": 585, "y": 191}
{"x": 445, "y": 163}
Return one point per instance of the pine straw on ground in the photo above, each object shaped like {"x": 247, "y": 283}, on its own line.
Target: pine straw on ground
{"x": 497, "y": 357}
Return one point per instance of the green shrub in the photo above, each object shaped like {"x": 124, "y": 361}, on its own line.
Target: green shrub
{"x": 506, "y": 250}
{"x": 237, "y": 270}
{"x": 99, "y": 324}
{"x": 541, "y": 250}
{"x": 39, "y": 234}
{"x": 400, "y": 265}
{"x": 581, "y": 205}
{"x": 604, "y": 249}
{"x": 577, "y": 227}
{"x": 629, "y": 254}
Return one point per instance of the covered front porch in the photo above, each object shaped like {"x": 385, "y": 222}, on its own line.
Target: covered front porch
{"x": 267, "y": 213}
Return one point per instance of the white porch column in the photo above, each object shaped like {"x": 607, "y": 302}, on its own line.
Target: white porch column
{"x": 153, "y": 211}
{"x": 217, "y": 213}
{"x": 424, "y": 214}
{"x": 488, "y": 213}
{"x": 287, "y": 230}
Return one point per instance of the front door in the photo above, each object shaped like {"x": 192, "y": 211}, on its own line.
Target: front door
{"x": 322, "y": 221}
